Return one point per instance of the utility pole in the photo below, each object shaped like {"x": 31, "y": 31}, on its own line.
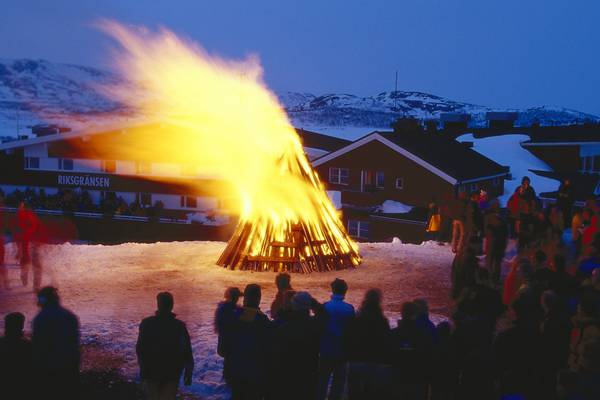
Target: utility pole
{"x": 396, "y": 93}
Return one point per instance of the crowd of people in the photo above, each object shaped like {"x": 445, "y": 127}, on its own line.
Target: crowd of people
{"x": 530, "y": 333}
{"x": 76, "y": 200}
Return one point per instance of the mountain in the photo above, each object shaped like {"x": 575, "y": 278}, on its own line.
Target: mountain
{"x": 382, "y": 109}
{"x": 36, "y": 91}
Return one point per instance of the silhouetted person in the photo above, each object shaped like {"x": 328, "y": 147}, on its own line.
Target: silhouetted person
{"x": 555, "y": 332}
{"x": 517, "y": 350}
{"x": 296, "y": 352}
{"x": 250, "y": 346}
{"x": 496, "y": 234}
{"x": 15, "y": 358}
{"x": 55, "y": 342}
{"x": 225, "y": 316}
{"x": 368, "y": 347}
{"x": 332, "y": 358}
{"x": 283, "y": 283}
{"x": 164, "y": 351}
{"x": 565, "y": 198}
{"x": 26, "y": 226}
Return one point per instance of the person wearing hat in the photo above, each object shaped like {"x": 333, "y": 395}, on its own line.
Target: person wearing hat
{"x": 55, "y": 340}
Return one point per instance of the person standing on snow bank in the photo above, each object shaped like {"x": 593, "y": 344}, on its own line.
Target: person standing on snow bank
{"x": 56, "y": 355}
{"x": 28, "y": 232}
{"x": 164, "y": 351}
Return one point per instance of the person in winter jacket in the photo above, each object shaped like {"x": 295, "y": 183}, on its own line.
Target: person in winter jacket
{"x": 565, "y": 198}
{"x": 164, "y": 351}
{"x": 225, "y": 315}
{"x": 457, "y": 213}
{"x": 55, "y": 344}
{"x": 251, "y": 335}
{"x": 367, "y": 344}
{"x": 296, "y": 352}
{"x": 496, "y": 239}
{"x": 16, "y": 366}
{"x": 338, "y": 316}
{"x": 585, "y": 336}
{"x": 283, "y": 283}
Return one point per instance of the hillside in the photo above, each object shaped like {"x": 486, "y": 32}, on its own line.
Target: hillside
{"x": 35, "y": 91}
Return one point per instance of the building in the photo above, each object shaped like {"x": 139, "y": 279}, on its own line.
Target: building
{"x": 56, "y": 161}
{"x": 455, "y": 121}
{"x": 387, "y": 179}
{"x": 501, "y": 119}
{"x": 573, "y": 152}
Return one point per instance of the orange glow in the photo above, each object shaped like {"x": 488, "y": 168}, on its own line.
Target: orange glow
{"x": 218, "y": 117}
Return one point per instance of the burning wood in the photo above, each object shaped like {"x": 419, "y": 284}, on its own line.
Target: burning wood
{"x": 221, "y": 120}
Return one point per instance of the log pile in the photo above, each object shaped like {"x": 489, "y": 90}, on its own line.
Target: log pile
{"x": 301, "y": 247}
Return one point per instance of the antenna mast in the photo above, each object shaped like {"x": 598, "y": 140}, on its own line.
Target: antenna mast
{"x": 396, "y": 93}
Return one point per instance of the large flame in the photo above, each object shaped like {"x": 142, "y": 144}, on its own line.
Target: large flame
{"x": 219, "y": 117}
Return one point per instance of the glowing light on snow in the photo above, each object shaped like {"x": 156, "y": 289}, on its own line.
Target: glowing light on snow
{"x": 218, "y": 117}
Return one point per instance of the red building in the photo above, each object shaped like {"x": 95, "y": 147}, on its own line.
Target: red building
{"x": 383, "y": 174}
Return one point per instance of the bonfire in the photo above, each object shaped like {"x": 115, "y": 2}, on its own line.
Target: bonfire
{"x": 221, "y": 120}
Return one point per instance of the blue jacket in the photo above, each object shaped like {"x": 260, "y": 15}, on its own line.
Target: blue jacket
{"x": 338, "y": 315}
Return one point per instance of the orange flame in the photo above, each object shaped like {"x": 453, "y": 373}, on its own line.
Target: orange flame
{"x": 219, "y": 117}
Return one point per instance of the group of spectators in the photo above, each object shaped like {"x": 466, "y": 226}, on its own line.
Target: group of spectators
{"x": 76, "y": 200}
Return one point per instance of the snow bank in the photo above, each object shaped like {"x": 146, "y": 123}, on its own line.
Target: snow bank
{"x": 112, "y": 288}
{"x": 507, "y": 150}
{"x": 394, "y": 207}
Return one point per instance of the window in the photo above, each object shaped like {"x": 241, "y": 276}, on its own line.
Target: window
{"x": 399, "y": 183}
{"x": 143, "y": 168}
{"x": 32, "y": 162}
{"x": 145, "y": 199}
{"x": 359, "y": 229}
{"x": 188, "y": 202}
{"x": 462, "y": 188}
{"x": 496, "y": 182}
{"x": 65, "y": 164}
{"x": 590, "y": 164}
{"x": 380, "y": 179}
{"x": 372, "y": 180}
{"x": 108, "y": 195}
{"x": 339, "y": 175}
{"x": 109, "y": 166}
{"x": 473, "y": 187}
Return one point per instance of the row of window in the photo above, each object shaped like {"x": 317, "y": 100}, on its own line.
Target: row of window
{"x": 370, "y": 179}
{"x": 590, "y": 164}
{"x": 145, "y": 199}
{"x": 107, "y": 166}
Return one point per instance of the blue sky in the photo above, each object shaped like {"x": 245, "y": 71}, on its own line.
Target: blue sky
{"x": 505, "y": 53}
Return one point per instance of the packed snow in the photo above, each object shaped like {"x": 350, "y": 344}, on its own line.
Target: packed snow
{"x": 394, "y": 207}
{"x": 507, "y": 150}
{"x": 112, "y": 288}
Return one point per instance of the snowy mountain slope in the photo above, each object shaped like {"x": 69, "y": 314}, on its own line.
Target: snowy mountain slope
{"x": 34, "y": 91}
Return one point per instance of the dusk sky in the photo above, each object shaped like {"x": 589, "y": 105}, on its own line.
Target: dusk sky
{"x": 509, "y": 53}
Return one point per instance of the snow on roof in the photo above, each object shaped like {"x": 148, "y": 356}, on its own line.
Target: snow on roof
{"x": 507, "y": 150}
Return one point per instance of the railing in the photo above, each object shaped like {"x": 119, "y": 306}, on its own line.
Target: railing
{"x": 95, "y": 215}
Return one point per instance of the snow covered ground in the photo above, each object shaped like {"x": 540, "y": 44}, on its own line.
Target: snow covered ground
{"x": 507, "y": 150}
{"x": 112, "y": 288}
